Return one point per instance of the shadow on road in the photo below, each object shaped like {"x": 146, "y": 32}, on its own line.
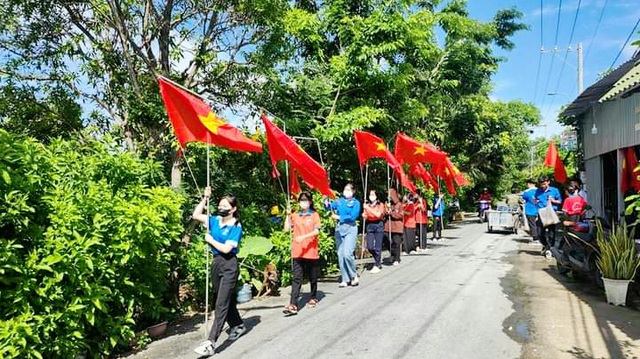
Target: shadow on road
{"x": 249, "y": 323}
{"x": 605, "y": 314}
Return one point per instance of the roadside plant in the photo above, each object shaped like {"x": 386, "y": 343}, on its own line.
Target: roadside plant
{"x": 618, "y": 255}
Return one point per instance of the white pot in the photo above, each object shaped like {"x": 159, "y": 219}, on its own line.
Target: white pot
{"x": 616, "y": 290}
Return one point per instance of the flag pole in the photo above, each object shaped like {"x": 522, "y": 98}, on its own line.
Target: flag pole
{"x": 364, "y": 198}
{"x": 206, "y": 248}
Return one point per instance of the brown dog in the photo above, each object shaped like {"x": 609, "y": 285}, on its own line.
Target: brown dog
{"x": 269, "y": 281}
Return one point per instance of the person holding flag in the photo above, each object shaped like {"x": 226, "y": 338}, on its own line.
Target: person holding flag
{"x": 422, "y": 221}
{"x": 346, "y": 211}
{"x": 409, "y": 222}
{"x": 374, "y": 213}
{"x": 393, "y": 226}
{"x": 304, "y": 251}
{"x": 223, "y": 237}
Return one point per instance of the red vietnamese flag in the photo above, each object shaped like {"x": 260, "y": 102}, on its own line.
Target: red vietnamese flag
{"x": 417, "y": 170}
{"x": 624, "y": 175}
{"x": 552, "y": 159}
{"x": 369, "y": 146}
{"x": 442, "y": 170}
{"x": 294, "y": 184}
{"x": 632, "y": 173}
{"x": 411, "y": 151}
{"x": 284, "y": 148}
{"x": 193, "y": 121}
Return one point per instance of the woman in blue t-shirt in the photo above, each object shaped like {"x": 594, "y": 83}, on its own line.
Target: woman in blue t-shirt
{"x": 223, "y": 238}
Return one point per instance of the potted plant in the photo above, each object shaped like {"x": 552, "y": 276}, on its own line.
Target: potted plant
{"x": 618, "y": 261}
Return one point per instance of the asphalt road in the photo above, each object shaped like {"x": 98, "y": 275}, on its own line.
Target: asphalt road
{"x": 447, "y": 303}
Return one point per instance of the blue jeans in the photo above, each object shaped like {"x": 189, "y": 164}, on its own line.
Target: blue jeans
{"x": 346, "y": 244}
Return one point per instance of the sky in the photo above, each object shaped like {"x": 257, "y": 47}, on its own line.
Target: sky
{"x": 516, "y": 77}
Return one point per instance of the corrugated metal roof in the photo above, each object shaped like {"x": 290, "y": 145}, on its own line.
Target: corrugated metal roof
{"x": 628, "y": 82}
{"x": 596, "y": 91}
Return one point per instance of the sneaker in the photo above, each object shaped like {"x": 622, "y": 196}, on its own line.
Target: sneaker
{"x": 355, "y": 282}
{"x": 375, "y": 270}
{"x": 237, "y": 331}
{"x": 205, "y": 349}
{"x": 396, "y": 263}
{"x": 342, "y": 285}
{"x": 404, "y": 253}
{"x": 412, "y": 252}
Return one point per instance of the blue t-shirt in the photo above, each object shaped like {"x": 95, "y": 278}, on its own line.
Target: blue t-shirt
{"x": 543, "y": 197}
{"x": 438, "y": 211}
{"x": 228, "y": 233}
{"x": 347, "y": 209}
{"x": 530, "y": 207}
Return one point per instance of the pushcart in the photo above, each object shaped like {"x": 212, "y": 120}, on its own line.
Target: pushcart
{"x": 503, "y": 219}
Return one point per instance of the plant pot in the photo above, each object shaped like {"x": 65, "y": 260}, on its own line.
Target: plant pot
{"x": 616, "y": 290}
{"x": 158, "y": 330}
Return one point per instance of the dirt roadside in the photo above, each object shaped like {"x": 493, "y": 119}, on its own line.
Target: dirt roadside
{"x": 564, "y": 317}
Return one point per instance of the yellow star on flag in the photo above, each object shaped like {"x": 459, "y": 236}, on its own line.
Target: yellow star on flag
{"x": 380, "y": 146}
{"x": 420, "y": 151}
{"x": 212, "y": 122}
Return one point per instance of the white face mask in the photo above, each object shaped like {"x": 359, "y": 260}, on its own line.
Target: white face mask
{"x": 304, "y": 205}
{"x": 347, "y": 193}
{"x": 372, "y": 198}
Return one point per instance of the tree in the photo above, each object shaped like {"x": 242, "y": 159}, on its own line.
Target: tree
{"x": 110, "y": 52}
{"x": 378, "y": 65}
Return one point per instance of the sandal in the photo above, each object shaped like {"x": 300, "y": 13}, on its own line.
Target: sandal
{"x": 290, "y": 310}
{"x": 312, "y": 303}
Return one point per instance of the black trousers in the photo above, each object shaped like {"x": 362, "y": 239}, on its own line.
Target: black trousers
{"x": 423, "y": 233}
{"x": 224, "y": 277}
{"x": 396, "y": 242}
{"x": 533, "y": 226}
{"x": 299, "y": 267}
{"x": 409, "y": 239}
{"x": 437, "y": 226}
{"x": 546, "y": 235}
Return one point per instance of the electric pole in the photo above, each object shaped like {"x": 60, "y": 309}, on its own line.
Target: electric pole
{"x": 580, "y": 70}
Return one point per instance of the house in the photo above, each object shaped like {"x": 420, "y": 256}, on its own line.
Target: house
{"x": 606, "y": 117}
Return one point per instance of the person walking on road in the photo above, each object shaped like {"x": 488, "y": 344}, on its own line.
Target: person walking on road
{"x": 422, "y": 221}
{"x": 374, "y": 213}
{"x": 530, "y": 208}
{"x": 393, "y": 226}
{"x": 544, "y": 196}
{"x": 346, "y": 211}
{"x": 409, "y": 222}
{"x": 304, "y": 251}
{"x": 223, "y": 236}
{"x": 437, "y": 213}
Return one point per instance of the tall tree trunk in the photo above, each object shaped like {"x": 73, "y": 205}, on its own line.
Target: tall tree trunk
{"x": 176, "y": 171}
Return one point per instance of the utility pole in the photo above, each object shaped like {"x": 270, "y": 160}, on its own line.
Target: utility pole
{"x": 580, "y": 70}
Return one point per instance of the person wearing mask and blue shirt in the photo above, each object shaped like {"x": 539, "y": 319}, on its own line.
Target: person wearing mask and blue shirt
{"x": 346, "y": 211}
{"x": 544, "y": 195}
{"x": 530, "y": 208}
{"x": 437, "y": 212}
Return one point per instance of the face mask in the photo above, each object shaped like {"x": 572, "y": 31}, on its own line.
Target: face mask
{"x": 347, "y": 193}
{"x": 372, "y": 198}
{"x": 304, "y": 205}
{"x": 223, "y": 212}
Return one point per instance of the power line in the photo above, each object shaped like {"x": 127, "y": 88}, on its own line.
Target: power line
{"x": 535, "y": 91}
{"x": 553, "y": 57}
{"x": 566, "y": 54}
{"x": 595, "y": 31}
{"x": 625, "y": 43}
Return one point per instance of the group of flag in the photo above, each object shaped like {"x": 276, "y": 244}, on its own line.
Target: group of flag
{"x": 194, "y": 121}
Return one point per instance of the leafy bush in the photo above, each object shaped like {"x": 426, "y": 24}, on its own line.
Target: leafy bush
{"x": 618, "y": 254}
{"x": 88, "y": 243}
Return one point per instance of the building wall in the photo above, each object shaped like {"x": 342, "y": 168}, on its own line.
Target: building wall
{"x": 618, "y": 124}
{"x": 593, "y": 169}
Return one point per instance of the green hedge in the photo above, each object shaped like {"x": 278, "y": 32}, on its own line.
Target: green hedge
{"x": 88, "y": 238}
